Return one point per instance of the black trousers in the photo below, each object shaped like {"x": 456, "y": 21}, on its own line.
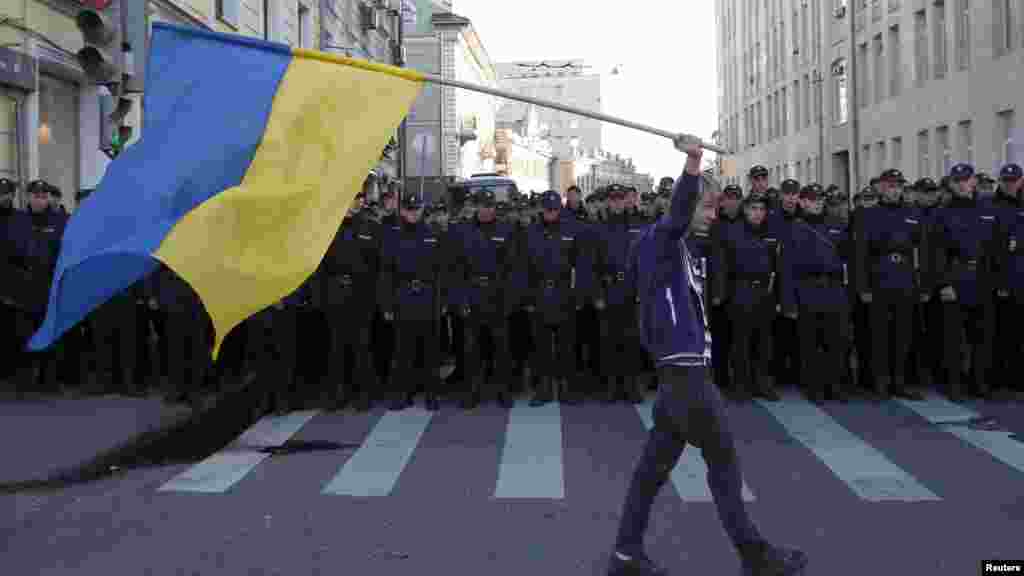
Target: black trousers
{"x": 688, "y": 410}
{"x": 824, "y": 335}
{"x": 115, "y": 343}
{"x": 1008, "y": 360}
{"x": 274, "y": 352}
{"x": 619, "y": 336}
{"x": 555, "y": 348}
{"x": 752, "y": 334}
{"x": 417, "y": 358}
{"x": 862, "y": 343}
{"x": 481, "y": 331}
{"x": 188, "y": 353}
{"x": 891, "y": 317}
{"x": 721, "y": 346}
{"x": 787, "y": 348}
{"x": 975, "y": 325}
{"x": 350, "y": 372}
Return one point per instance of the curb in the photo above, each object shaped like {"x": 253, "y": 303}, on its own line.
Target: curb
{"x": 174, "y": 441}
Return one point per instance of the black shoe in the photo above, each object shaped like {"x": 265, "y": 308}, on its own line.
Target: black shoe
{"x": 909, "y": 394}
{"x": 638, "y": 565}
{"x": 769, "y": 394}
{"x": 768, "y": 560}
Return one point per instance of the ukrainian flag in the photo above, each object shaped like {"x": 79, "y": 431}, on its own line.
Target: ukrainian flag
{"x": 251, "y": 155}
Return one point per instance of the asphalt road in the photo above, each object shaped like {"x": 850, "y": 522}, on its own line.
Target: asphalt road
{"x": 891, "y": 488}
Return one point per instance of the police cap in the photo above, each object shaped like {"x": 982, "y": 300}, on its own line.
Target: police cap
{"x": 758, "y": 171}
{"x": 412, "y": 202}
{"x": 893, "y": 175}
{"x": 926, "y": 185}
{"x": 868, "y": 193}
{"x": 790, "y": 186}
{"x": 961, "y": 171}
{"x": 54, "y": 191}
{"x": 772, "y": 193}
{"x": 835, "y": 196}
{"x": 551, "y": 200}
{"x": 38, "y": 187}
{"x": 666, "y": 182}
{"x": 485, "y": 197}
{"x": 1011, "y": 171}
{"x": 733, "y": 191}
{"x": 7, "y": 186}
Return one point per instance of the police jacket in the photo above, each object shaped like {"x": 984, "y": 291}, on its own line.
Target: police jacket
{"x": 673, "y": 325}
{"x": 348, "y": 272}
{"x": 614, "y": 237}
{"x": 817, "y": 253}
{"x": 966, "y": 244}
{"x": 487, "y": 277}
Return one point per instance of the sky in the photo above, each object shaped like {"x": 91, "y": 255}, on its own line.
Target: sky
{"x": 666, "y": 49}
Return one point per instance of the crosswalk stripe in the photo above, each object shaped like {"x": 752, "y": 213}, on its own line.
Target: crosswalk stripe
{"x": 375, "y": 467}
{"x": 954, "y": 418}
{"x": 690, "y": 475}
{"x": 224, "y": 469}
{"x": 531, "y": 461}
{"x": 275, "y": 430}
{"x": 865, "y": 470}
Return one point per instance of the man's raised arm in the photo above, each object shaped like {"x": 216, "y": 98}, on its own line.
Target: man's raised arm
{"x": 686, "y": 193}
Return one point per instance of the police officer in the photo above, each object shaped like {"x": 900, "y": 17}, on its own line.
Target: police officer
{"x": 927, "y": 330}
{"x": 749, "y": 281}
{"x": 383, "y": 331}
{"x": 888, "y": 246}
{"x": 817, "y": 254}
{"x": 787, "y": 343}
{"x": 616, "y": 299}
{"x": 39, "y": 250}
{"x": 14, "y": 285}
{"x": 1010, "y": 280}
{"x": 730, "y": 217}
{"x": 487, "y": 282}
{"x": 967, "y": 248}
{"x": 412, "y": 294}
{"x": 344, "y": 288}
{"x": 552, "y": 249}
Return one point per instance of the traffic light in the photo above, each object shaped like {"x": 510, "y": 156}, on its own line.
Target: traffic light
{"x": 113, "y": 134}
{"x": 102, "y": 57}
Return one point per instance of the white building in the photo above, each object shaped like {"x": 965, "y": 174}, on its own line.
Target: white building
{"x": 523, "y": 154}
{"x": 474, "y": 113}
{"x": 567, "y": 81}
{"x": 938, "y": 82}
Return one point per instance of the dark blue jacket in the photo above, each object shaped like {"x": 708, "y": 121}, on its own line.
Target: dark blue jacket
{"x": 1011, "y": 263}
{"x": 614, "y": 237}
{"x": 673, "y": 326}
{"x": 816, "y": 256}
{"x": 966, "y": 244}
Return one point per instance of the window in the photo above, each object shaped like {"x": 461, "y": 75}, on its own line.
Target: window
{"x": 796, "y": 40}
{"x": 920, "y": 48}
{"x": 895, "y": 70}
{"x": 797, "y": 118}
{"x": 940, "y": 38}
{"x": 305, "y": 27}
{"x": 815, "y": 30}
{"x": 785, "y": 113}
{"x": 1005, "y": 131}
{"x": 879, "y": 69}
{"x": 965, "y": 142}
{"x": 807, "y": 100}
{"x": 841, "y": 111}
{"x": 1003, "y": 26}
{"x": 923, "y": 170}
{"x": 963, "y": 35}
{"x": 862, "y": 76}
{"x": 944, "y": 159}
{"x": 818, "y": 174}
{"x": 771, "y": 118}
{"x": 865, "y": 163}
{"x": 896, "y": 148}
{"x": 227, "y": 11}
{"x": 760, "y": 124}
{"x": 881, "y": 159}
{"x": 803, "y": 33}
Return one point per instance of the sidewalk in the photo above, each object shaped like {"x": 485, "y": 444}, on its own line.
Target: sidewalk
{"x": 47, "y": 437}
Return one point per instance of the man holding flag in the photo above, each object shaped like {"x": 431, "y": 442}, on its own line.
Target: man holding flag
{"x": 688, "y": 409}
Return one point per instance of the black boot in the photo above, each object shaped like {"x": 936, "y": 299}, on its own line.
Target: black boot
{"x": 635, "y": 565}
{"x": 611, "y": 389}
{"x": 763, "y": 559}
{"x": 633, "y": 394}
{"x": 543, "y": 394}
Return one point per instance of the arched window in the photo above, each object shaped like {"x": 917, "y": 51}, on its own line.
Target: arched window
{"x": 841, "y": 103}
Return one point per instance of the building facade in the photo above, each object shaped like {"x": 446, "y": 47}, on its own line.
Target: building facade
{"x": 937, "y": 82}
{"x": 565, "y": 81}
{"x": 50, "y": 128}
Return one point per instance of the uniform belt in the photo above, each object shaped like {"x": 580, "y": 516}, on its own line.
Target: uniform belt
{"x": 482, "y": 281}
{"x": 897, "y": 258}
{"x": 827, "y": 279}
{"x": 550, "y": 283}
{"x": 344, "y": 279}
{"x": 970, "y": 264}
{"x": 614, "y": 278}
{"x": 416, "y": 285}
{"x": 755, "y": 280}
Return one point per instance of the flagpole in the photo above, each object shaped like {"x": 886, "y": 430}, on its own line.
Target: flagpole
{"x": 570, "y": 109}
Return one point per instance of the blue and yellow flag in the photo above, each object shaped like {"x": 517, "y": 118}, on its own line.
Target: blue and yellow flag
{"x": 251, "y": 154}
